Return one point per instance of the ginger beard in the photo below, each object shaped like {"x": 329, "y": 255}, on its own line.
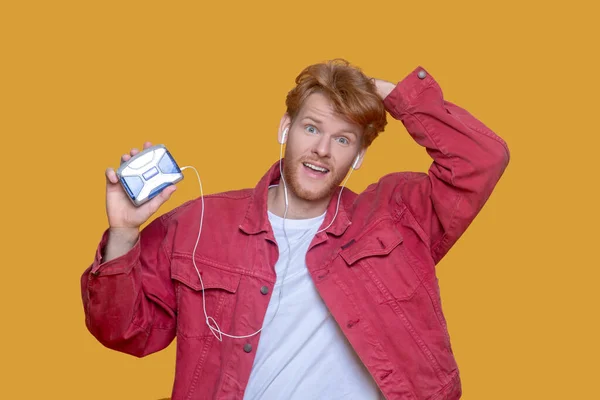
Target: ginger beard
{"x": 311, "y": 189}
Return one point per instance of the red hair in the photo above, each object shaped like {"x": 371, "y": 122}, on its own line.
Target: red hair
{"x": 352, "y": 94}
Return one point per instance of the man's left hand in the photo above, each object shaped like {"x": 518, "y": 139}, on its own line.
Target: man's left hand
{"x": 383, "y": 87}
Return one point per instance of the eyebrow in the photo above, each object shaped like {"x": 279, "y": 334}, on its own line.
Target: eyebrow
{"x": 318, "y": 121}
{"x": 313, "y": 119}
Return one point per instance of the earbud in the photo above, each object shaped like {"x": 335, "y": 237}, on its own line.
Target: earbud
{"x": 283, "y": 136}
{"x": 355, "y": 162}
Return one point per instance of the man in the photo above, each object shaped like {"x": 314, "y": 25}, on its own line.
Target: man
{"x": 296, "y": 289}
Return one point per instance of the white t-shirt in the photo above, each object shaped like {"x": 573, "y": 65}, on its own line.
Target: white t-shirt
{"x": 302, "y": 354}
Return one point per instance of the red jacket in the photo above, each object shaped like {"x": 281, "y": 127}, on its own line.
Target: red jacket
{"x": 374, "y": 267}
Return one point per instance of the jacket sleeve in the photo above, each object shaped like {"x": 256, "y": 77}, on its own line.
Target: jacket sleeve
{"x": 129, "y": 302}
{"x": 468, "y": 161}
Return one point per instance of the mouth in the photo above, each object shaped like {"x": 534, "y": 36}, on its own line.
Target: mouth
{"x": 315, "y": 168}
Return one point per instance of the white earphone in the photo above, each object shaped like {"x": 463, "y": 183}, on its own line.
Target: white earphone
{"x": 356, "y": 161}
{"x": 210, "y": 321}
{"x": 283, "y": 136}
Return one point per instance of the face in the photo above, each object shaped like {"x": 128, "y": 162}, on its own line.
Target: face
{"x": 321, "y": 148}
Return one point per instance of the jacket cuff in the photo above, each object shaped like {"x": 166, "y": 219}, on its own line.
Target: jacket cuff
{"x": 407, "y": 91}
{"x": 119, "y": 265}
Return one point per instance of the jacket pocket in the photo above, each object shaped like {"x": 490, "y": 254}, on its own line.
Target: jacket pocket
{"x": 379, "y": 261}
{"x": 220, "y": 287}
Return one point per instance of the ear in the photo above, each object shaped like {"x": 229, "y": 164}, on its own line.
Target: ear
{"x": 284, "y": 128}
{"x": 359, "y": 159}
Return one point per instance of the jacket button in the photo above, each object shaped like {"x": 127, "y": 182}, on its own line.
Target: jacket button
{"x": 422, "y": 74}
{"x": 264, "y": 290}
{"x": 247, "y": 347}
{"x": 323, "y": 274}
{"x": 350, "y": 324}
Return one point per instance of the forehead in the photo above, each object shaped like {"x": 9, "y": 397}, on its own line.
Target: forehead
{"x": 320, "y": 108}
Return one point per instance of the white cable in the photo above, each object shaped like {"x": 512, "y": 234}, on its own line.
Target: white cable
{"x": 215, "y": 330}
{"x": 338, "y": 202}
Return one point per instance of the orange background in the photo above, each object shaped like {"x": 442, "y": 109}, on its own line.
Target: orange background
{"x": 82, "y": 82}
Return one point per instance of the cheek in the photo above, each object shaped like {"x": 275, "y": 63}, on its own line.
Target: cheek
{"x": 289, "y": 153}
{"x": 343, "y": 161}
{"x": 295, "y": 149}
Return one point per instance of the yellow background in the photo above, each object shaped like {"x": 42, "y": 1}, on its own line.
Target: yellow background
{"x": 82, "y": 82}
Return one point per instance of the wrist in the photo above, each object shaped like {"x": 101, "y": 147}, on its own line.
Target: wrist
{"x": 384, "y": 88}
{"x": 126, "y": 235}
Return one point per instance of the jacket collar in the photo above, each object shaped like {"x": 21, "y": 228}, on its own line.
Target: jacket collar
{"x": 256, "y": 219}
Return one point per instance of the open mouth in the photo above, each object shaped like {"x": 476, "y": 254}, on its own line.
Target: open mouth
{"x": 315, "y": 168}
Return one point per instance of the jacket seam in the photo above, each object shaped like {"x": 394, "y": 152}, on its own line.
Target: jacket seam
{"x": 190, "y": 203}
{"x": 373, "y": 337}
{"x": 436, "y": 245}
{"x": 169, "y": 258}
{"x": 200, "y": 366}
{"x": 412, "y": 214}
{"x": 437, "y": 308}
{"x": 452, "y": 381}
{"x": 451, "y": 226}
{"x": 485, "y": 132}
{"x": 418, "y": 339}
{"x": 412, "y": 102}
{"x": 224, "y": 267}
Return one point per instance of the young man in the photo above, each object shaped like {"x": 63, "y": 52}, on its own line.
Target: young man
{"x": 296, "y": 289}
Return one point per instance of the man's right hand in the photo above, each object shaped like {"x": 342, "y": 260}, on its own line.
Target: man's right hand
{"x": 124, "y": 218}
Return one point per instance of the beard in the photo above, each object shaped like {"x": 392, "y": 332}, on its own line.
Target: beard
{"x": 322, "y": 190}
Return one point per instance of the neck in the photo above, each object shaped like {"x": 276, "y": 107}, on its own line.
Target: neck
{"x": 297, "y": 208}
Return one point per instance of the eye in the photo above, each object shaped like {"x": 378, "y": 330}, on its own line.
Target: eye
{"x": 343, "y": 140}
{"x": 311, "y": 129}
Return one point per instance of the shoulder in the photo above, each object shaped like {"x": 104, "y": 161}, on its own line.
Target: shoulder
{"x": 386, "y": 198}
{"x": 222, "y": 201}
{"x": 393, "y": 184}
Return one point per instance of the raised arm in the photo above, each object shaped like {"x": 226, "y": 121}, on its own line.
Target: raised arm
{"x": 468, "y": 159}
{"x": 128, "y": 298}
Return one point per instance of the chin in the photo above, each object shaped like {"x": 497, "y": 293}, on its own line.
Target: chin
{"x": 308, "y": 191}
{"x": 312, "y": 195}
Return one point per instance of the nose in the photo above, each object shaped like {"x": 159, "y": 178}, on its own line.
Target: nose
{"x": 322, "y": 146}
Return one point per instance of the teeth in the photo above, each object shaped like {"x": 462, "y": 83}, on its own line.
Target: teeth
{"x": 314, "y": 167}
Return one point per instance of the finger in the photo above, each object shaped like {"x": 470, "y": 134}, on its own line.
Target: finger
{"x": 111, "y": 175}
{"x": 125, "y": 158}
{"x": 147, "y": 144}
{"x": 133, "y": 152}
{"x": 155, "y": 203}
